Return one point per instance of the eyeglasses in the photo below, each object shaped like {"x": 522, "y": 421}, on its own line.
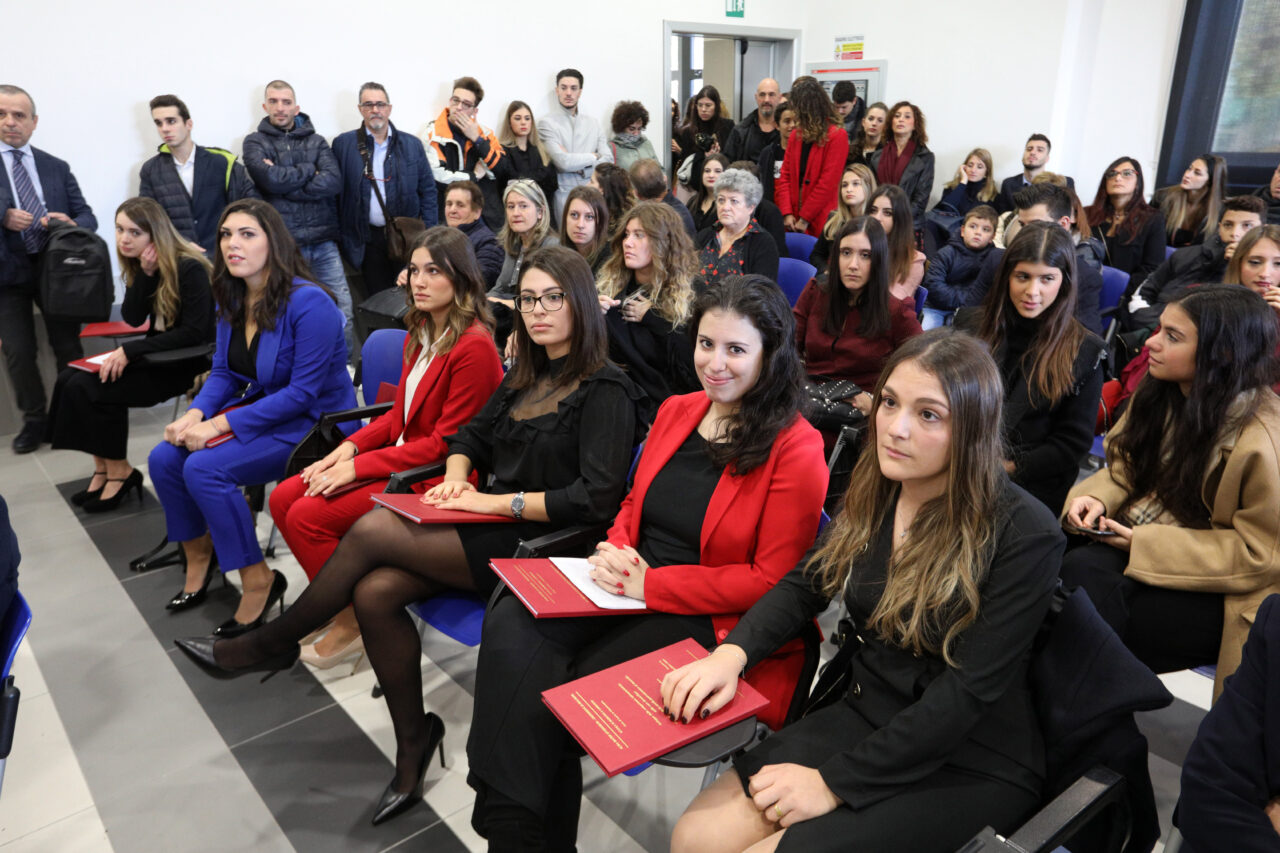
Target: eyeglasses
{"x": 553, "y": 301}
{"x": 373, "y": 105}
{"x": 466, "y": 105}
{"x": 1120, "y": 173}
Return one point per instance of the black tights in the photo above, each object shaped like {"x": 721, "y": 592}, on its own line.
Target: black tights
{"x": 382, "y": 565}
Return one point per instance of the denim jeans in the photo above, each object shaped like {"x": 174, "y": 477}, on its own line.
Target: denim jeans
{"x": 326, "y": 266}
{"x": 932, "y": 318}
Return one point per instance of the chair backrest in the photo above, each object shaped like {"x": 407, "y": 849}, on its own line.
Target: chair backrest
{"x": 800, "y": 245}
{"x": 1114, "y": 283}
{"x": 1168, "y": 252}
{"x": 922, "y": 293}
{"x": 793, "y": 275}
{"x": 13, "y": 627}
{"x": 381, "y": 360}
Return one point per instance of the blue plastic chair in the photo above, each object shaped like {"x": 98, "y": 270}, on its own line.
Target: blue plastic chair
{"x": 12, "y": 629}
{"x": 800, "y": 245}
{"x": 1168, "y": 252}
{"x": 1114, "y": 282}
{"x": 793, "y": 275}
{"x": 922, "y": 293}
{"x": 381, "y": 359}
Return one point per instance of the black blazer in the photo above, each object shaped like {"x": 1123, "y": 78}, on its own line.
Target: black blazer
{"x": 1233, "y": 767}
{"x": 978, "y": 716}
{"x": 194, "y": 324}
{"x": 1138, "y": 257}
{"x": 1010, "y": 185}
{"x": 917, "y": 178}
{"x": 61, "y": 195}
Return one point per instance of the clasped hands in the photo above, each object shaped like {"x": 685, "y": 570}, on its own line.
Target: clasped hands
{"x": 785, "y": 794}
{"x": 193, "y": 432}
{"x": 330, "y": 473}
{"x": 617, "y": 570}
{"x": 462, "y": 495}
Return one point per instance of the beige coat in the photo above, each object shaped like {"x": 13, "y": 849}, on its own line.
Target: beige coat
{"x": 1239, "y": 555}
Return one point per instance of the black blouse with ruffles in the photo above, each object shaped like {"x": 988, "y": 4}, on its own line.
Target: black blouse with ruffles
{"x": 579, "y": 454}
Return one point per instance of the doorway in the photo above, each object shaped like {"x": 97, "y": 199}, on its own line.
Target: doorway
{"x": 733, "y": 59}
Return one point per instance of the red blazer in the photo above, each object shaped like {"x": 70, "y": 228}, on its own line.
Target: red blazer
{"x": 452, "y": 391}
{"x": 782, "y": 498}
{"x": 813, "y": 200}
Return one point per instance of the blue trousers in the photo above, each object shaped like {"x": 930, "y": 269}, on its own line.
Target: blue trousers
{"x": 200, "y": 493}
{"x": 326, "y": 265}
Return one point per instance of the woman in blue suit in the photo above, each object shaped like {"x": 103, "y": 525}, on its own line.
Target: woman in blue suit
{"x": 280, "y": 363}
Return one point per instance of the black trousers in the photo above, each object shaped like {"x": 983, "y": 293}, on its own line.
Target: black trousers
{"x": 18, "y": 332}
{"x": 1167, "y": 629}
{"x": 378, "y": 270}
{"x": 517, "y": 748}
{"x": 92, "y": 416}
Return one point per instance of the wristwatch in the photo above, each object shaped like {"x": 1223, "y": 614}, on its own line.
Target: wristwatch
{"x": 517, "y": 507}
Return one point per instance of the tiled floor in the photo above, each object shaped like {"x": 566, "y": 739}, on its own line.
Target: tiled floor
{"x": 121, "y": 745}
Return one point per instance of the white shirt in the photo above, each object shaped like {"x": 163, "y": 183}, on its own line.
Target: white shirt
{"x": 28, "y": 163}
{"x": 187, "y": 170}
{"x": 426, "y": 355}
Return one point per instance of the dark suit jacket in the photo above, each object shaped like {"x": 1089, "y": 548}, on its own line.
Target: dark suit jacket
{"x": 1010, "y": 185}
{"x": 1233, "y": 767}
{"x": 452, "y": 391}
{"x": 301, "y": 366}
{"x": 219, "y": 180}
{"x": 61, "y": 195}
{"x": 756, "y": 528}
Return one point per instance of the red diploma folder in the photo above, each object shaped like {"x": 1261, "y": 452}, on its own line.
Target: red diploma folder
{"x": 616, "y": 714}
{"x": 412, "y": 508}
{"x": 547, "y": 592}
{"x": 119, "y": 328}
{"x": 90, "y": 364}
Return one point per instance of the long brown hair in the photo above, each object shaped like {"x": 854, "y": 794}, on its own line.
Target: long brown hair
{"x": 815, "y": 114}
{"x": 284, "y": 264}
{"x": 1136, "y": 212}
{"x": 933, "y": 580}
{"x": 1251, "y": 238}
{"x": 675, "y": 262}
{"x": 1204, "y": 213}
{"x": 1049, "y": 362}
{"x": 843, "y": 212}
{"x": 451, "y": 251}
{"x": 588, "y": 340}
{"x": 989, "y": 190}
{"x": 171, "y": 250}
{"x": 902, "y": 239}
{"x": 594, "y": 199}
{"x": 507, "y": 136}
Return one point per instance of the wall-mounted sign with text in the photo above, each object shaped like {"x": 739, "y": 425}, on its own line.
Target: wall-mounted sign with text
{"x": 734, "y": 8}
{"x": 847, "y": 47}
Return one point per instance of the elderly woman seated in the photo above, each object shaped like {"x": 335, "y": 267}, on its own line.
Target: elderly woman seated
{"x": 736, "y": 244}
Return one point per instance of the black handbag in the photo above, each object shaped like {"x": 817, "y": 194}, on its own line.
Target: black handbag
{"x": 401, "y": 230}
{"x": 827, "y": 407}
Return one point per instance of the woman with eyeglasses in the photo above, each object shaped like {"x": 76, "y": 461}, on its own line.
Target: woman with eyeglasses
{"x": 737, "y": 245}
{"x": 557, "y": 437}
{"x": 1132, "y": 230}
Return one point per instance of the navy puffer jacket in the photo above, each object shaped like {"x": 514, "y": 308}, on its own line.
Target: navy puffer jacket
{"x": 219, "y": 180}
{"x": 303, "y": 180}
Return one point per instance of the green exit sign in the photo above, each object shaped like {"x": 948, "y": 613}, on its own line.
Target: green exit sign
{"x": 734, "y": 8}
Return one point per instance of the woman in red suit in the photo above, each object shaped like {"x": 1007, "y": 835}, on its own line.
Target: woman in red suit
{"x": 451, "y": 367}
{"x": 806, "y": 196}
{"x": 726, "y": 499}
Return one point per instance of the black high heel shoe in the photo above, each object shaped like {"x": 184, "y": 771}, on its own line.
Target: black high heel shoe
{"x": 131, "y": 483}
{"x": 392, "y": 802}
{"x": 232, "y": 628}
{"x": 186, "y": 600}
{"x": 83, "y": 496}
{"x": 200, "y": 650}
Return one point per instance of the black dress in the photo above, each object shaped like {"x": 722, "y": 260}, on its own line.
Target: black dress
{"x": 922, "y": 755}
{"x": 576, "y": 447}
{"x": 656, "y": 355}
{"x": 528, "y": 164}
{"x": 92, "y": 416}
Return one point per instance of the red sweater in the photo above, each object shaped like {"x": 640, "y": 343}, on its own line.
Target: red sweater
{"x": 849, "y": 356}
{"x": 812, "y": 197}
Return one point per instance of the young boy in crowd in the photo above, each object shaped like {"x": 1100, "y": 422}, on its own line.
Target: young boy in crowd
{"x": 954, "y": 270}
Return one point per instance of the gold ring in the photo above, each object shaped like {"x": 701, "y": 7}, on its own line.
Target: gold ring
{"x": 777, "y": 811}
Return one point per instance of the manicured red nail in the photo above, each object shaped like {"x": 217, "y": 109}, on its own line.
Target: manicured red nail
{"x": 635, "y": 560}
{"x": 627, "y": 573}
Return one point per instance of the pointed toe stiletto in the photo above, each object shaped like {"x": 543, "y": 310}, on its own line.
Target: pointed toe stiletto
{"x": 131, "y": 483}
{"x": 354, "y": 648}
{"x": 83, "y": 496}
{"x": 200, "y": 650}
{"x": 186, "y": 600}
{"x": 232, "y": 628}
{"x": 393, "y": 802}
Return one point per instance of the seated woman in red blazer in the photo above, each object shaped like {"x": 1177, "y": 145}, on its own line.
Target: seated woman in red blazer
{"x": 451, "y": 368}
{"x": 726, "y": 499}
{"x": 806, "y": 196}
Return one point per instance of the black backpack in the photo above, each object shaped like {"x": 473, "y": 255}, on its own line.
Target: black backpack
{"x": 75, "y": 280}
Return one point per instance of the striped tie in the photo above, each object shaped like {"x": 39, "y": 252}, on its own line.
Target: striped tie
{"x": 33, "y": 237}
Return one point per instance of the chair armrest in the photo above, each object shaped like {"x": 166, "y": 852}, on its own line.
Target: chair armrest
{"x": 9, "y": 695}
{"x": 402, "y": 481}
{"x": 1070, "y": 811}
{"x": 561, "y": 543}
{"x": 716, "y": 746}
{"x": 169, "y": 356}
{"x": 356, "y": 414}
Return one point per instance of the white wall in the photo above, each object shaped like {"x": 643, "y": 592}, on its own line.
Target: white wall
{"x": 985, "y": 72}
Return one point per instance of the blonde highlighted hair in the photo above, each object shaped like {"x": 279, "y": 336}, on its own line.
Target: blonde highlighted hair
{"x": 932, "y": 584}
{"x": 843, "y": 212}
{"x": 674, "y": 261}
{"x": 171, "y": 249}
{"x": 451, "y": 251}
{"x": 507, "y": 137}
{"x": 510, "y": 240}
{"x": 990, "y": 190}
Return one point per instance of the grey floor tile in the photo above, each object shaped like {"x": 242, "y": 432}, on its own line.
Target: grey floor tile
{"x": 321, "y": 776}
{"x": 1170, "y": 730}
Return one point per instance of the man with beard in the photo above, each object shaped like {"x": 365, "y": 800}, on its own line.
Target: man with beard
{"x": 1034, "y": 159}
{"x": 758, "y": 130}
